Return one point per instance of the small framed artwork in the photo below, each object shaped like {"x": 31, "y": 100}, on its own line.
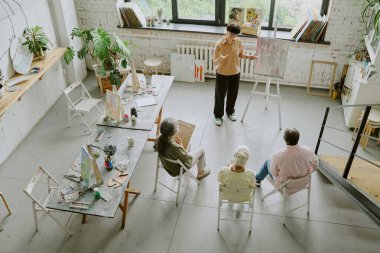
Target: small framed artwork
{"x": 236, "y": 16}
{"x": 254, "y": 17}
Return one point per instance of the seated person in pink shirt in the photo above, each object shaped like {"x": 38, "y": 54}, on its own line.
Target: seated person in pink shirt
{"x": 294, "y": 161}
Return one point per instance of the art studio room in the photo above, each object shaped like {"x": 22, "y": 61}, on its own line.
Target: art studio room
{"x": 189, "y": 126}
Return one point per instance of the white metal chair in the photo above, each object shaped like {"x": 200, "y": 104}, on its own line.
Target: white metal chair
{"x": 282, "y": 189}
{"x": 183, "y": 171}
{"x": 224, "y": 199}
{"x": 84, "y": 104}
{"x": 39, "y": 202}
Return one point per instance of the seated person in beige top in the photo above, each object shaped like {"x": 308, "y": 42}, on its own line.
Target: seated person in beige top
{"x": 236, "y": 176}
{"x": 169, "y": 146}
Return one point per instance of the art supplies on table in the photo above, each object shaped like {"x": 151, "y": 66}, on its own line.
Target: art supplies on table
{"x": 80, "y": 205}
{"x": 146, "y": 101}
{"x": 122, "y": 165}
{"x": 99, "y": 135}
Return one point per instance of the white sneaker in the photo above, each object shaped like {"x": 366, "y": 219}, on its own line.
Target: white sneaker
{"x": 218, "y": 121}
{"x": 232, "y": 117}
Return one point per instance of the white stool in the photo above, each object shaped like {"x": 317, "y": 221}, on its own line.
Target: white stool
{"x": 153, "y": 64}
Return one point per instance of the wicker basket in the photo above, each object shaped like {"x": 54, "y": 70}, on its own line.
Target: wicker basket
{"x": 250, "y": 30}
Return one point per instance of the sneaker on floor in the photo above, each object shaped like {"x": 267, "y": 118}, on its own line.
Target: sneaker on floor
{"x": 205, "y": 173}
{"x": 232, "y": 117}
{"x": 258, "y": 184}
{"x": 218, "y": 121}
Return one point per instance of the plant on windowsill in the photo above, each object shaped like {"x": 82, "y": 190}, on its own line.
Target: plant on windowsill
{"x": 370, "y": 7}
{"x": 109, "y": 52}
{"x": 36, "y": 40}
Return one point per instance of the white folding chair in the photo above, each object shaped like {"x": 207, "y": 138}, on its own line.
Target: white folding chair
{"x": 224, "y": 190}
{"x": 79, "y": 106}
{"x": 39, "y": 202}
{"x": 282, "y": 190}
{"x": 6, "y": 203}
{"x": 183, "y": 171}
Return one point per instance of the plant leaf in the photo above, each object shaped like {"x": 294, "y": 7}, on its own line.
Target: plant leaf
{"x": 69, "y": 55}
{"x": 124, "y": 63}
{"x": 115, "y": 78}
{"x": 102, "y": 43}
{"x": 122, "y": 46}
{"x": 83, "y": 51}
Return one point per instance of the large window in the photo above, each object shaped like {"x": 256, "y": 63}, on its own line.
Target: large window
{"x": 286, "y": 13}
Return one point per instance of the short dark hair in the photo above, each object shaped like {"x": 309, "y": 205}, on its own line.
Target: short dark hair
{"x": 291, "y": 136}
{"x": 233, "y": 28}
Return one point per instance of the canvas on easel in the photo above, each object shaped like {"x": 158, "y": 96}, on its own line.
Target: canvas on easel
{"x": 113, "y": 105}
{"x": 185, "y": 131}
{"x": 89, "y": 170}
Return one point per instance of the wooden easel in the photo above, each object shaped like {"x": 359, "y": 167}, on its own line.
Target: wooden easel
{"x": 267, "y": 93}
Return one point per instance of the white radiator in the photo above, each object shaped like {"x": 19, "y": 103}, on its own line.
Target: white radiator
{"x": 205, "y": 52}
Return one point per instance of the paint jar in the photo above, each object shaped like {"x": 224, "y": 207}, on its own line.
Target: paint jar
{"x": 126, "y": 117}
{"x": 133, "y": 119}
{"x": 130, "y": 141}
{"x": 97, "y": 194}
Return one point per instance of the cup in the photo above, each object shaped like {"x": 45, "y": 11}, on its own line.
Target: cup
{"x": 133, "y": 119}
{"x": 130, "y": 141}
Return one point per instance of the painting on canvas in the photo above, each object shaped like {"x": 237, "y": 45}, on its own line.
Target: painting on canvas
{"x": 86, "y": 167}
{"x": 113, "y": 104}
{"x": 182, "y": 67}
{"x": 273, "y": 56}
{"x": 199, "y": 70}
{"x": 254, "y": 17}
{"x": 236, "y": 16}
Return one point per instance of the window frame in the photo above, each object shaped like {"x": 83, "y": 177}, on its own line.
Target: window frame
{"x": 220, "y": 10}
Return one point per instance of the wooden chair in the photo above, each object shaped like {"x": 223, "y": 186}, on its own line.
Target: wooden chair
{"x": 282, "y": 189}
{"x": 224, "y": 199}
{"x": 82, "y": 105}
{"x": 183, "y": 171}
{"x": 39, "y": 202}
{"x": 6, "y": 204}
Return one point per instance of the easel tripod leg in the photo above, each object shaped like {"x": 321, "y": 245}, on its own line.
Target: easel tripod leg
{"x": 250, "y": 99}
{"x": 279, "y": 104}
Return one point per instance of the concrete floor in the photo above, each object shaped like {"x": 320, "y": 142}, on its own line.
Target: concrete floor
{"x": 154, "y": 223}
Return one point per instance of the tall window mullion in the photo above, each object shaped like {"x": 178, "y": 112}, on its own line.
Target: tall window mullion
{"x": 271, "y": 14}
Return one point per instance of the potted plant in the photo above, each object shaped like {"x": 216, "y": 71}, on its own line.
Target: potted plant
{"x": 372, "y": 7}
{"x": 36, "y": 40}
{"x": 109, "y": 52}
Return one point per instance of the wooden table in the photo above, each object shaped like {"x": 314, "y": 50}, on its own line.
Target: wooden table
{"x": 146, "y": 116}
{"x": 11, "y": 97}
{"x": 118, "y": 137}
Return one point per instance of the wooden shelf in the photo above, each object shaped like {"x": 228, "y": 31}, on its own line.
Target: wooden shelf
{"x": 11, "y": 97}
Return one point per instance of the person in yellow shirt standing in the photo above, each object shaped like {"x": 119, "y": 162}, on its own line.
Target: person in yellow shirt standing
{"x": 226, "y": 58}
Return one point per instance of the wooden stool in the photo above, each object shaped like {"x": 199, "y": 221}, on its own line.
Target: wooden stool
{"x": 5, "y": 203}
{"x": 373, "y": 122}
{"x": 153, "y": 64}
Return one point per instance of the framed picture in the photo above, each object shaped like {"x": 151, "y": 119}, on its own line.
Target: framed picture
{"x": 113, "y": 105}
{"x": 254, "y": 17}
{"x": 236, "y": 16}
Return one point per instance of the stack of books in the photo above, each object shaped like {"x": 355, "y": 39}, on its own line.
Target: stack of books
{"x": 130, "y": 15}
{"x": 310, "y": 30}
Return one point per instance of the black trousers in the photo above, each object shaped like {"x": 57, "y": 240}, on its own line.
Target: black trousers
{"x": 223, "y": 85}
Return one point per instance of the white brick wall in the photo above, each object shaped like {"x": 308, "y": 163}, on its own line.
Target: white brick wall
{"x": 344, "y": 32}
{"x": 23, "y": 115}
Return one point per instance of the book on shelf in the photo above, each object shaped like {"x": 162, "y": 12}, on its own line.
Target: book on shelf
{"x": 130, "y": 14}
{"x": 311, "y": 30}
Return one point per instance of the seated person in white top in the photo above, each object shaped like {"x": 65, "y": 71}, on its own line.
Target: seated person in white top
{"x": 236, "y": 176}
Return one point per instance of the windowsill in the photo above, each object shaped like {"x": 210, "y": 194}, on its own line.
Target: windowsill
{"x": 219, "y": 30}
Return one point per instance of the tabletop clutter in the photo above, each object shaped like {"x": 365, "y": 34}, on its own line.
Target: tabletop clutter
{"x": 85, "y": 175}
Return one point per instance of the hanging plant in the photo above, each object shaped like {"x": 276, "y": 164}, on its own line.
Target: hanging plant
{"x": 372, "y": 7}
